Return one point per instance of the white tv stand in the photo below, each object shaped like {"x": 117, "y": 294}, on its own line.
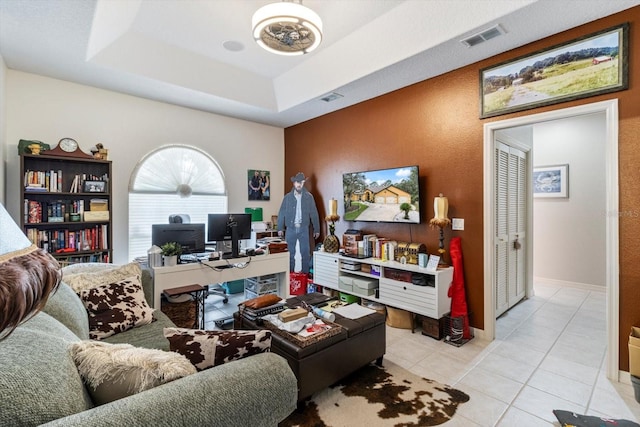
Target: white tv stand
{"x": 431, "y": 300}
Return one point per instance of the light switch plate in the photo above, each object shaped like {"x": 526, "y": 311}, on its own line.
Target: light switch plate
{"x": 457, "y": 224}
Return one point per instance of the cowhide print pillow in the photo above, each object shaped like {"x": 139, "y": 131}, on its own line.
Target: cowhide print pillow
{"x": 116, "y": 307}
{"x": 204, "y": 352}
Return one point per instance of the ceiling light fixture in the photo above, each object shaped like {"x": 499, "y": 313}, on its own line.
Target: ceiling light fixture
{"x": 287, "y": 28}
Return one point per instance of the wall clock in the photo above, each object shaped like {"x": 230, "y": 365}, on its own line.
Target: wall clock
{"x": 68, "y": 147}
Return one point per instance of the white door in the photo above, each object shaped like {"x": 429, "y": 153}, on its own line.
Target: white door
{"x": 511, "y": 209}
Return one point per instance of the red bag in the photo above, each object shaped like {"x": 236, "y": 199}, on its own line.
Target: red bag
{"x": 298, "y": 283}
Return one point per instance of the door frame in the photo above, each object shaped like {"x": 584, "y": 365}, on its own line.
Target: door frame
{"x": 610, "y": 109}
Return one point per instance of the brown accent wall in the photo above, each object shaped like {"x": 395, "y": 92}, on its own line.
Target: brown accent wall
{"x": 435, "y": 125}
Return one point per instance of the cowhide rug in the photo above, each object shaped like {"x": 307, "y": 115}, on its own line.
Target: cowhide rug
{"x": 380, "y": 396}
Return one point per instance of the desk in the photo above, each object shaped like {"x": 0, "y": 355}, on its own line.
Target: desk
{"x": 204, "y": 274}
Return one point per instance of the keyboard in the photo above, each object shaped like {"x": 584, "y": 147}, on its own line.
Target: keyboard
{"x": 188, "y": 258}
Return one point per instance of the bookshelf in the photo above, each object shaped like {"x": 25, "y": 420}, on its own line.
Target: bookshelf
{"x": 67, "y": 206}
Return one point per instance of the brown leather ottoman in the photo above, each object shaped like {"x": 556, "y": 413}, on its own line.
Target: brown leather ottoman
{"x": 328, "y": 360}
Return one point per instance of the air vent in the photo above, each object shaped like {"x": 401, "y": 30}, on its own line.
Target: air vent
{"x": 483, "y": 36}
{"x": 331, "y": 97}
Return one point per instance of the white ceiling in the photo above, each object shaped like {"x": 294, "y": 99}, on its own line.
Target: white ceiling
{"x": 172, "y": 50}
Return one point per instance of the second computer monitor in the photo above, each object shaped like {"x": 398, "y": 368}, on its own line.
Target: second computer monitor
{"x": 189, "y": 236}
{"x": 229, "y": 227}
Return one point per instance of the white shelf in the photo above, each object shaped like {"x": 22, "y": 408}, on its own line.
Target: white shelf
{"x": 430, "y": 300}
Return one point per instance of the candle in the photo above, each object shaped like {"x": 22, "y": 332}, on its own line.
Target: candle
{"x": 440, "y": 207}
{"x": 333, "y": 207}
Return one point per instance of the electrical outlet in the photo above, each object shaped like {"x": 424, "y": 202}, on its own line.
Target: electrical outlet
{"x": 457, "y": 224}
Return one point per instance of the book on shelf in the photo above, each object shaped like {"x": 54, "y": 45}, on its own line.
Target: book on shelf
{"x": 84, "y": 240}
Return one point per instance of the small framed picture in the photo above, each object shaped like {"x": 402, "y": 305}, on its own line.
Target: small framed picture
{"x": 259, "y": 184}
{"x": 95, "y": 186}
{"x": 551, "y": 181}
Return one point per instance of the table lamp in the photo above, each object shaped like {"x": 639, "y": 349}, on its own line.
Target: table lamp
{"x": 440, "y": 220}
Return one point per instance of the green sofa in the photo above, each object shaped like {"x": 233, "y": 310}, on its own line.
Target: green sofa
{"x": 40, "y": 384}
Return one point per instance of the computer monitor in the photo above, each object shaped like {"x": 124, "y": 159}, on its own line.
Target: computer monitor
{"x": 189, "y": 236}
{"x": 227, "y": 227}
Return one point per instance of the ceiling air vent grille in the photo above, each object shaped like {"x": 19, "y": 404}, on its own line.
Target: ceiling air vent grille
{"x": 331, "y": 97}
{"x": 483, "y": 36}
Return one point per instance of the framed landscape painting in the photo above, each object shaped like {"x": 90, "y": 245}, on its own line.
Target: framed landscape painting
{"x": 551, "y": 181}
{"x": 588, "y": 66}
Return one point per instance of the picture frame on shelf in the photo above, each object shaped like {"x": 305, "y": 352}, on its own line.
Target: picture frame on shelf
{"x": 551, "y": 182}
{"x": 94, "y": 186}
{"x": 591, "y": 65}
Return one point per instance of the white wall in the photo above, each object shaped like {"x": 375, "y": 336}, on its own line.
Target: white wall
{"x": 3, "y": 73}
{"x": 569, "y": 234}
{"x": 47, "y": 110}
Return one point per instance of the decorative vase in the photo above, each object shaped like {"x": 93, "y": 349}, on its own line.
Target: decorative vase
{"x": 331, "y": 244}
{"x": 170, "y": 260}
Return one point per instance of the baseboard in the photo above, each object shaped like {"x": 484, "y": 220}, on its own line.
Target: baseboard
{"x": 568, "y": 284}
{"x": 480, "y": 334}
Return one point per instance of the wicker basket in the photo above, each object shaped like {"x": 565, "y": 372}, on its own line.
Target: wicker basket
{"x": 334, "y": 329}
{"x": 183, "y": 314}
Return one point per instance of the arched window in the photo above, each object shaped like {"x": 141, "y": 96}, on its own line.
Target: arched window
{"x": 173, "y": 179}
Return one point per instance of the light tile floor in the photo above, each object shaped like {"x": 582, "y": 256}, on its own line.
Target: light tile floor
{"x": 549, "y": 353}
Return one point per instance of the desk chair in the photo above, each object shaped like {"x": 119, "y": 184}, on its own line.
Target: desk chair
{"x": 217, "y": 289}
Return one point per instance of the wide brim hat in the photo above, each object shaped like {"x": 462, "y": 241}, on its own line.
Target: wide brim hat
{"x": 299, "y": 177}
{"x": 13, "y": 243}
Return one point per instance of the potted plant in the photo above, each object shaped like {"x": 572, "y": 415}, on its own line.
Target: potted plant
{"x": 170, "y": 253}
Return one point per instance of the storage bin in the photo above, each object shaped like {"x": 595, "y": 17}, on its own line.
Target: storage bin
{"x": 351, "y": 265}
{"x": 349, "y": 299}
{"x": 250, "y": 294}
{"x": 634, "y": 351}
{"x": 183, "y": 314}
{"x": 345, "y": 283}
{"x": 365, "y": 287}
{"x": 635, "y": 382}
{"x": 399, "y": 275}
{"x": 233, "y": 287}
{"x": 262, "y": 284}
{"x": 433, "y": 328}
{"x": 375, "y": 270}
{"x": 401, "y": 319}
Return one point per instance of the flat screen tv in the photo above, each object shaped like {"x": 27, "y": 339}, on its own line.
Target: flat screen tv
{"x": 228, "y": 227}
{"x": 189, "y": 236}
{"x": 384, "y": 195}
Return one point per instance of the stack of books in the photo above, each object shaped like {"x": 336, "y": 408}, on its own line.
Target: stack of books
{"x": 252, "y": 314}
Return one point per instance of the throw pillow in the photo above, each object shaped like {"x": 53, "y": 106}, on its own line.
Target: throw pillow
{"x": 116, "y": 307}
{"x": 114, "y": 371}
{"x": 261, "y": 301}
{"x": 93, "y": 279}
{"x": 206, "y": 349}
